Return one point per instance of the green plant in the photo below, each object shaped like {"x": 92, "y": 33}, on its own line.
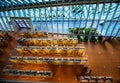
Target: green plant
{"x": 73, "y": 30}
{"x": 85, "y": 31}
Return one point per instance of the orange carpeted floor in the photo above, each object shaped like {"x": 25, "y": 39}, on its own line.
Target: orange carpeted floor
{"x": 103, "y": 60}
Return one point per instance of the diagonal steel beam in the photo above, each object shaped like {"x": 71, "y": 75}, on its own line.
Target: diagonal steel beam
{"x": 88, "y": 14}
{"x": 36, "y": 28}
{"x": 46, "y": 20}
{"x": 112, "y": 18}
{"x": 106, "y": 16}
{"x": 2, "y": 27}
{"x": 81, "y": 15}
{"x": 115, "y": 25}
{"x": 63, "y": 19}
{"x": 4, "y": 23}
{"x": 7, "y": 22}
{"x": 30, "y": 19}
{"x": 51, "y": 19}
{"x": 99, "y": 19}
{"x": 10, "y": 19}
{"x": 117, "y": 32}
{"x": 40, "y": 19}
{"x": 93, "y": 20}
{"x": 59, "y": 3}
{"x": 69, "y": 16}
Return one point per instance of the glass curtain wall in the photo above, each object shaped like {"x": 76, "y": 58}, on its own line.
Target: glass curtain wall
{"x": 104, "y": 18}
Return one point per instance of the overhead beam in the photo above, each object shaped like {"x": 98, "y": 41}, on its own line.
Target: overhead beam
{"x": 53, "y": 4}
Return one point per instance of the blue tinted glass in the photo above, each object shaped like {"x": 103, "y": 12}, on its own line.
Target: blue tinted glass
{"x": 21, "y": 13}
{"x": 66, "y": 28}
{"x": 104, "y": 28}
{"x": 31, "y": 12}
{"x": 117, "y": 27}
{"x": 11, "y": 13}
{"x": 110, "y": 28}
{"x": 6, "y": 13}
{"x": 16, "y": 13}
{"x": 26, "y": 13}
{"x": 54, "y": 25}
{"x": 60, "y": 25}
{"x": 118, "y": 35}
{"x": 74, "y": 16}
{"x": 1, "y": 14}
{"x": 99, "y": 27}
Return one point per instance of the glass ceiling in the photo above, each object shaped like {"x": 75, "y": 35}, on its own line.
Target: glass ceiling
{"x": 21, "y": 24}
{"x": 103, "y": 17}
{"x": 9, "y": 3}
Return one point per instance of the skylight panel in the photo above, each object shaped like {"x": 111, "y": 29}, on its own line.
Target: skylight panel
{"x": 21, "y": 21}
{"x": 27, "y": 1}
{"x": 33, "y": 1}
{"x": 20, "y": 1}
{"x": 7, "y": 1}
{"x": 39, "y": 0}
{"x": 13, "y": 1}
{"x": 47, "y": 0}
{"x": 26, "y": 22}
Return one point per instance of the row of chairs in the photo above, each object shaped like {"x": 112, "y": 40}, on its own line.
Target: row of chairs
{"x": 96, "y": 79}
{"x": 51, "y": 47}
{"x": 52, "y": 51}
{"x": 34, "y": 35}
{"x": 43, "y": 73}
{"x": 52, "y": 63}
{"x": 48, "y": 60}
{"x": 47, "y": 42}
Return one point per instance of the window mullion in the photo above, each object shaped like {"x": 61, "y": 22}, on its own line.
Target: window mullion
{"x": 93, "y": 20}
{"x": 115, "y": 26}
{"x": 88, "y": 14}
{"x": 7, "y": 22}
{"x": 112, "y": 18}
{"x": 106, "y": 16}
{"x": 100, "y": 16}
{"x": 81, "y": 17}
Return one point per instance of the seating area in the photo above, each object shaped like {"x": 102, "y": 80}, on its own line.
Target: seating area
{"x": 54, "y": 51}
{"x": 47, "y": 42}
{"x": 46, "y": 51}
{"x": 96, "y": 79}
{"x": 36, "y": 48}
{"x": 48, "y": 60}
{"x": 33, "y": 35}
{"x": 59, "y": 41}
{"x": 27, "y": 73}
